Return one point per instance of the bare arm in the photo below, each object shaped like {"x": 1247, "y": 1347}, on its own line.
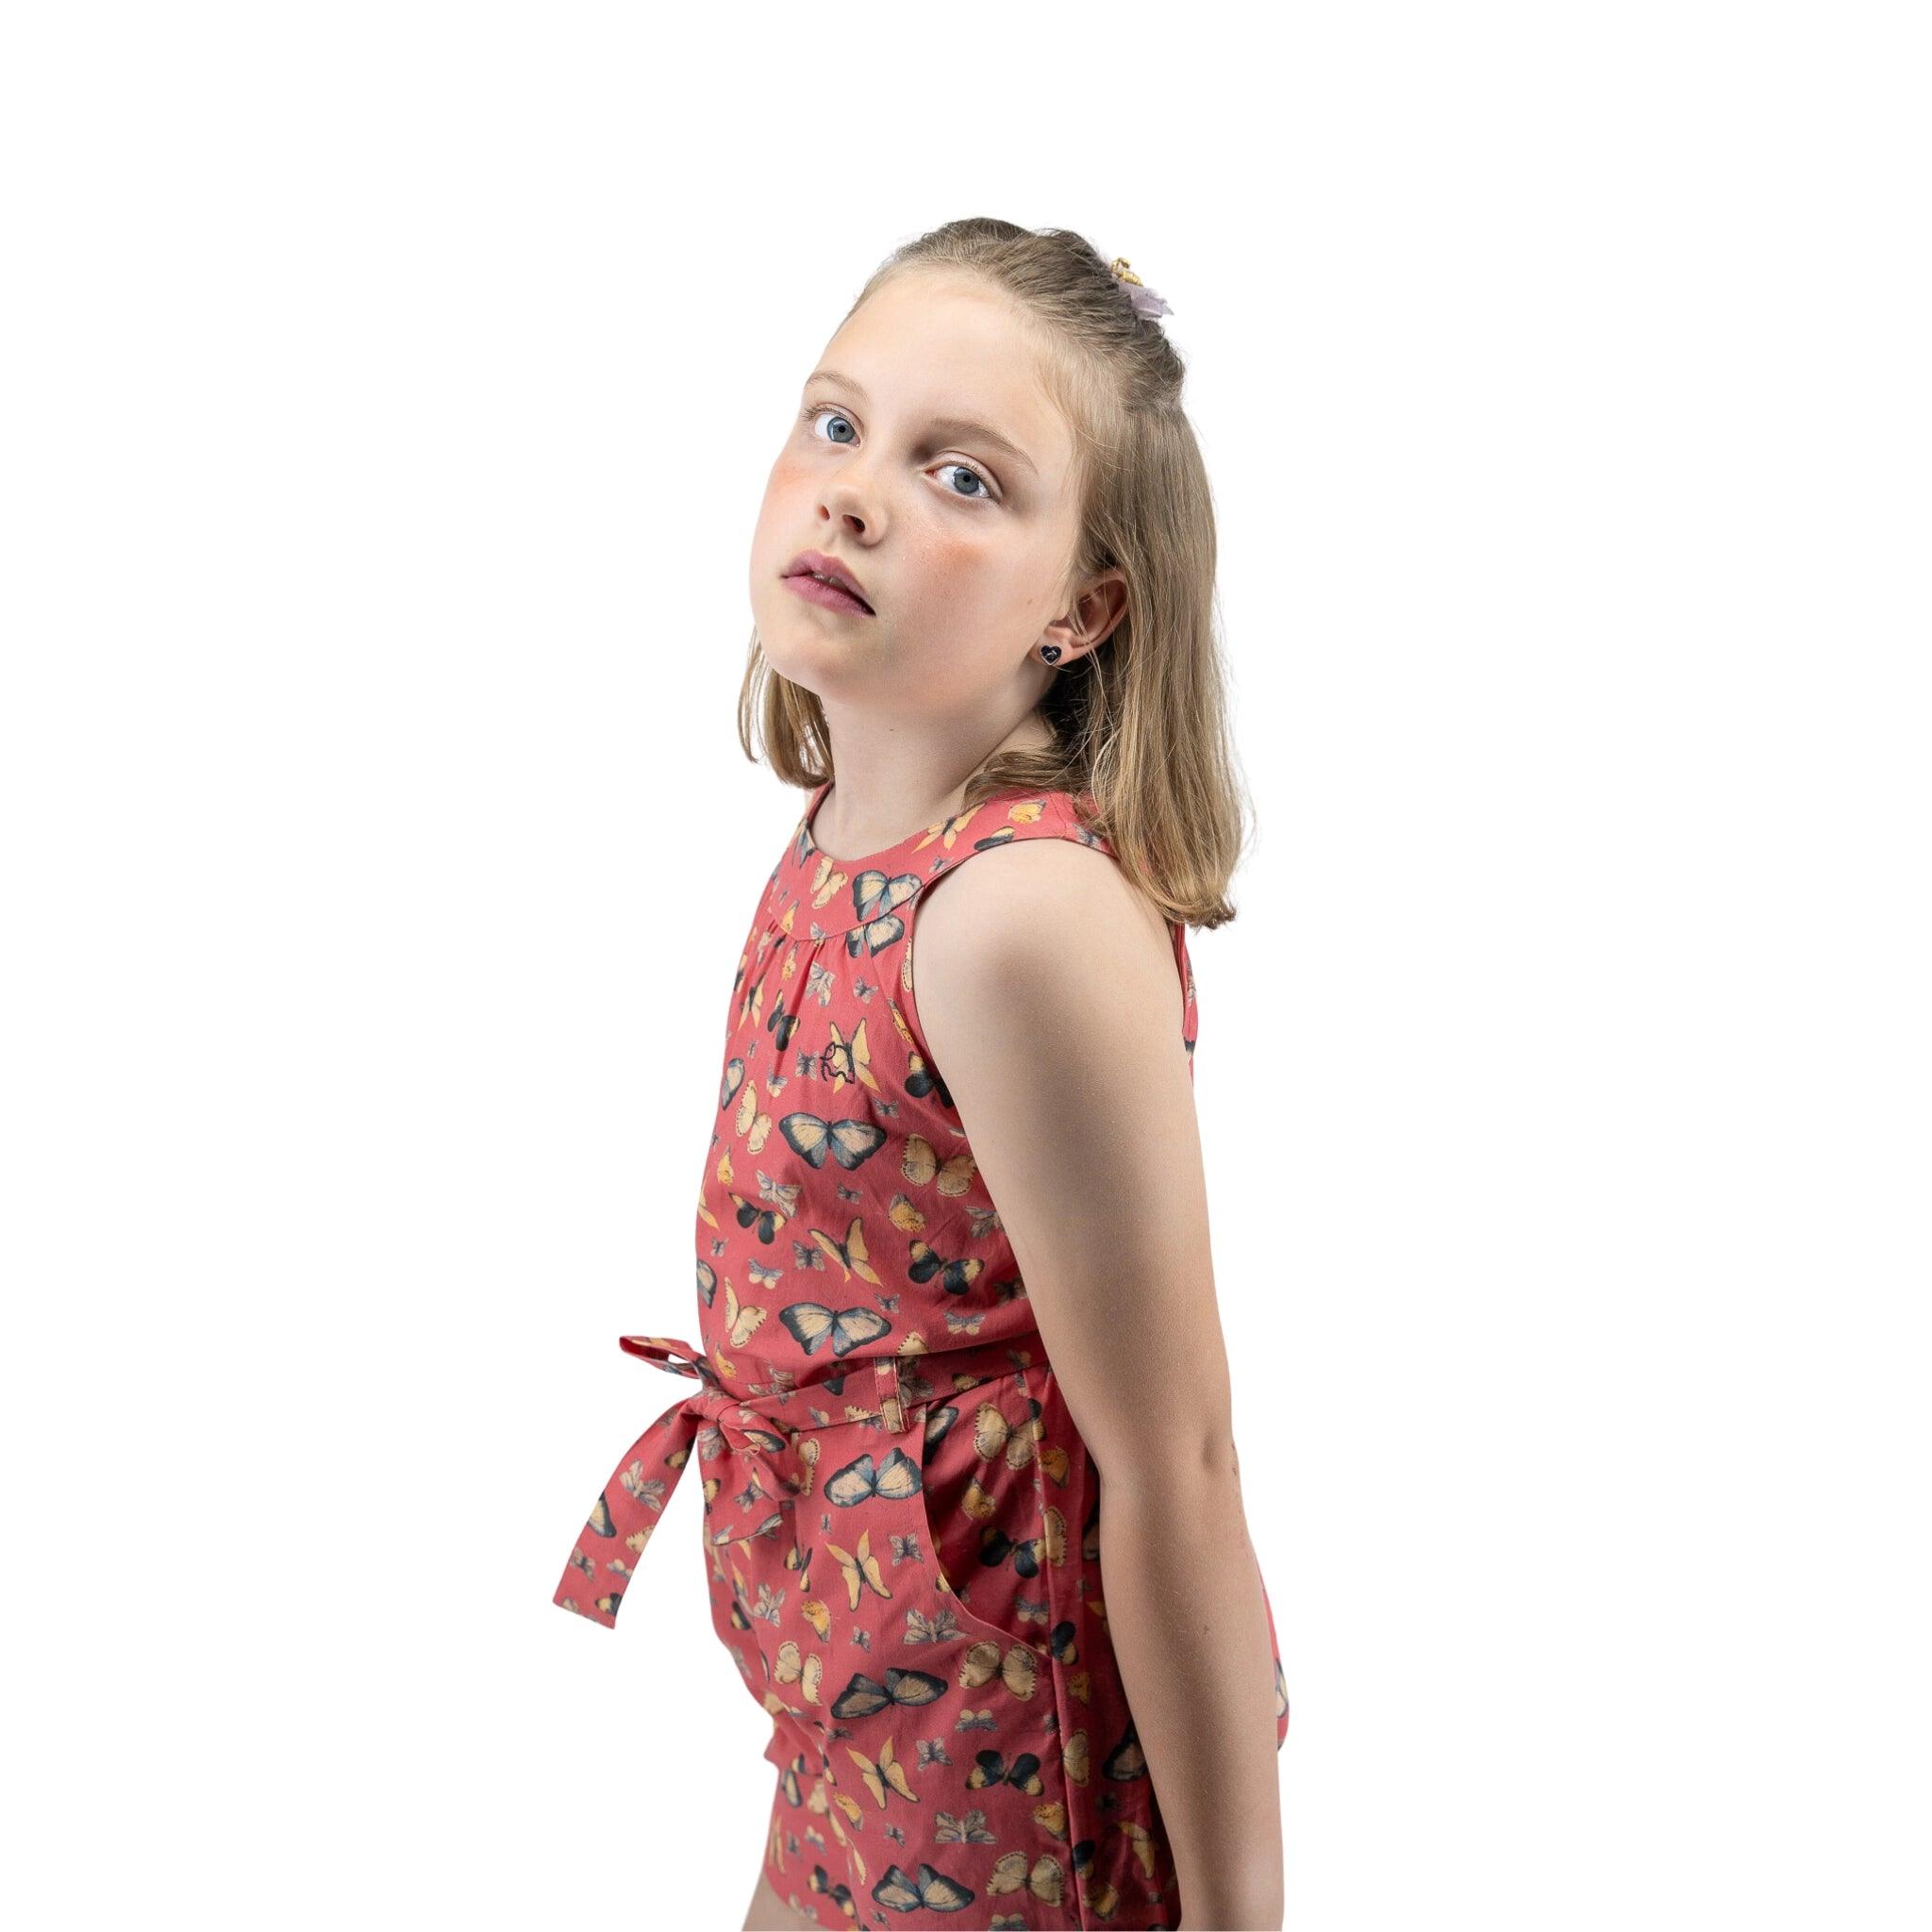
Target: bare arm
{"x": 1049, "y": 996}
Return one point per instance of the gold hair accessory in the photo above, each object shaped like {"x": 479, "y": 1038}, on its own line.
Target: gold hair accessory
{"x": 1144, "y": 298}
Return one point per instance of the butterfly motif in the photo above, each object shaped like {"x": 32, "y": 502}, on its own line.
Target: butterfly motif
{"x": 1018, "y": 1670}
{"x": 825, "y": 883}
{"x": 741, "y": 1323}
{"x": 781, "y": 1026}
{"x": 1045, "y": 1879}
{"x": 851, "y": 1254}
{"x": 991, "y": 1768}
{"x": 877, "y": 900}
{"x": 850, "y": 1143}
{"x": 955, "y": 1275}
{"x": 895, "y": 1477}
{"x": 752, "y": 1126}
{"x": 865, "y": 1696}
{"x": 931, "y": 1891}
{"x": 843, "y": 1060}
{"x": 921, "y": 1166}
{"x": 860, "y": 1570}
{"x": 969, "y": 1830}
{"x": 811, "y": 1322}
{"x": 883, "y": 1773}
{"x": 923, "y": 1628}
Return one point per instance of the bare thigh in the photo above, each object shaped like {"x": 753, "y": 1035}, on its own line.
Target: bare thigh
{"x": 770, "y": 1913}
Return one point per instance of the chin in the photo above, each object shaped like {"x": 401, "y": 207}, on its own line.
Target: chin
{"x": 806, "y": 653}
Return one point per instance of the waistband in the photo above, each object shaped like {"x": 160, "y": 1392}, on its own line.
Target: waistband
{"x": 893, "y": 1391}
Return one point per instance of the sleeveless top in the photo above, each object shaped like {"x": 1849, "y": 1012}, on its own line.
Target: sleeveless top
{"x": 837, "y": 1148}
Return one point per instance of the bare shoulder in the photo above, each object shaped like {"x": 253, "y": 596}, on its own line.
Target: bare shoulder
{"x": 1043, "y": 934}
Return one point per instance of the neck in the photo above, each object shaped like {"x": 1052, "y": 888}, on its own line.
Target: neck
{"x": 890, "y": 782}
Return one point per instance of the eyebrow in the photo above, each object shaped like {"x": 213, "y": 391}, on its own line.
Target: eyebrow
{"x": 961, "y": 427}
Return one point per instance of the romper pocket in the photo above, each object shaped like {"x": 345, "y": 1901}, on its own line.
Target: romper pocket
{"x": 979, "y": 1505}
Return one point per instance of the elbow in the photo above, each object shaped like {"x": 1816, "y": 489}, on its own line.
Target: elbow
{"x": 1177, "y": 1472}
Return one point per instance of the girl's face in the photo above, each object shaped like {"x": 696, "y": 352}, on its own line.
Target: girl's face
{"x": 929, "y": 465}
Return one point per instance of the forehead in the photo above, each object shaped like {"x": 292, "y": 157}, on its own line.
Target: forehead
{"x": 930, "y": 345}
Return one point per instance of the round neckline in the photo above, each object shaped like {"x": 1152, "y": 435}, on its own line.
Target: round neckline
{"x": 864, "y": 861}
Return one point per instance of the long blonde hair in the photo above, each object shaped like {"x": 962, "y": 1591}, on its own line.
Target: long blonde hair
{"x": 1141, "y": 723}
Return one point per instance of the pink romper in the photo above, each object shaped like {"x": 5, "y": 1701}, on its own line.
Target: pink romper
{"x": 901, "y": 1521}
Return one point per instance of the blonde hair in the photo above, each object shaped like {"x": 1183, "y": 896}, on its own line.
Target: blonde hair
{"x": 1140, "y": 723}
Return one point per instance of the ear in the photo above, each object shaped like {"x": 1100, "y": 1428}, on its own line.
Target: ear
{"x": 1099, "y": 608}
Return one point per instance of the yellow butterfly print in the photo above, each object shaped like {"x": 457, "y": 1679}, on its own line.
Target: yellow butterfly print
{"x": 1142, "y": 1842}
{"x": 750, "y": 1121}
{"x": 816, "y": 1614}
{"x": 1018, "y": 1669}
{"x": 1050, "y": 1814}
{"x": 883, "y": 1773}
{"x": 741, "y": 1323}
{"x": 920, "y": 1164}
{"x": 876, "y": 898}
{"x": 993, "y": 1436}
{"x": 1046, "y": 1881}
{"x": 862, "y": 1570}
{"x": 788, "y": 1666}
{"x": 825, "y": 882}
{"x": 904, "y": 1214}
{"x": 851, "y": 1254}
{"x": 845, "y": 1059}
{"x": 947, "y": 831}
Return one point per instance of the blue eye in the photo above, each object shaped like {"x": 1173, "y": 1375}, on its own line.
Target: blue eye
{"x": 811, "y": 412}
{"x": 966, "y": 469}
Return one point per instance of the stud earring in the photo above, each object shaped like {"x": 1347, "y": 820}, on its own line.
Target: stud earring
{"x": 1051, "y": 653}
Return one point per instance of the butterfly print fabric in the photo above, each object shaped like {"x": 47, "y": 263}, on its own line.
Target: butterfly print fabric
{"x": 901, "y": 1522}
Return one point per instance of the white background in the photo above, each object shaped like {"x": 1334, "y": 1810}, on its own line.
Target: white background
{"x": 387, "y": 395}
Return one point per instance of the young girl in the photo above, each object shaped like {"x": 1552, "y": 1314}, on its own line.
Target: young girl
{"x": 1004, "y": 1690}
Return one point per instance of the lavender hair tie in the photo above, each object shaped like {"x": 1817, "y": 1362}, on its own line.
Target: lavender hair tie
{"x": 1144, "y": 298}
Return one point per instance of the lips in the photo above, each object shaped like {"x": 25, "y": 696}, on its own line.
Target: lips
{"x": 816, "y": 563}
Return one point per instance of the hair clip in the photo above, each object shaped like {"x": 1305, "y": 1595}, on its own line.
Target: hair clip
{"x": 1144, "y": 298}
